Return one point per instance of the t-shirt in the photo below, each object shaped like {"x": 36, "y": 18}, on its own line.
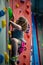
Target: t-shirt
{"x": 18, "y": 34}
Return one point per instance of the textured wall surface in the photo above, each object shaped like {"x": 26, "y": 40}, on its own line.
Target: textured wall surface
{"x": 3, "y": 32}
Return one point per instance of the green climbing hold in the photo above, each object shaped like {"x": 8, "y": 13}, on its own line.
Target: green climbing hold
{"x": 14, "y": 58}
{"x": 42, "y": 44}
{"x": 10, "y": 13}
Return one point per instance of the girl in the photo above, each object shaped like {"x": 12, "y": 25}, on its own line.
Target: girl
{"x": 17, "y": 34}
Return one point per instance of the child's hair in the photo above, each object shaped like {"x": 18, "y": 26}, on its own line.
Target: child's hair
{"x": 22, "y": 22}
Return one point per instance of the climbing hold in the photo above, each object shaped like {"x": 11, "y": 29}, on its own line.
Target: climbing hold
{"x": 2, "y": 13}
{"x": 9, "y": 47}
{"x": 28, "y": 36}
{"x": 18, "y": 62}
{"x": 42, "y": 44}
{"x": 22, "y": 1}
{"x": 25, "y": 48}
{"x": 24, "y": 64}
{"x": 24, "y": 56}
{"x": 25, "y": 43}
{"x": 17, "y": 5}
{"x": 28, "y": 28}
{"x": 3, "y": 23}
{"x": 27, "y": 32}
{"x": 27, "y": 11}
{"x": 10, "y": 13}
{"x": 5, "y": 9}
{"x": 20, "y": 11}
{"x": 6, "y": 57}
{"x": 0, "y": 29}
{"x": 7, "y": 0}
{"x": 9, "y": 32}
{"x": 1, "y": 58}
{"x": 27, "y": 5}
{"x": 14, "y": 58}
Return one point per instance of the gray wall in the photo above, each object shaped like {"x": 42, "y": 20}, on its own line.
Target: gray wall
{"x": 37, "y": 5}
{"x": 3, "y": 32}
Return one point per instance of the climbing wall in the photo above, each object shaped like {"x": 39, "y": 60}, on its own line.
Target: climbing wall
{"x": 23, "y": 8}
{"x": 2, "y": 32}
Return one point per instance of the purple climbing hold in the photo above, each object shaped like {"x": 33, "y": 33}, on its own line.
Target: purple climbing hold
{"x": 28, "y": 28}
{"x": 21, "y": 48}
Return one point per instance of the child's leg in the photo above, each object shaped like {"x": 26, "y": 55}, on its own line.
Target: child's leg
{"x": 14, "y": 43}
{"x": 15, "y": 46}
{"x": 13, "y": 51}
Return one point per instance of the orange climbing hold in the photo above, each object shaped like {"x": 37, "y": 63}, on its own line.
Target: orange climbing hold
{"x": 5, "y": 9}
{"x": 17, "y": 5}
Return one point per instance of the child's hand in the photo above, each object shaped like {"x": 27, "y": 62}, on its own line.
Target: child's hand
{"x": 16, "y": 25}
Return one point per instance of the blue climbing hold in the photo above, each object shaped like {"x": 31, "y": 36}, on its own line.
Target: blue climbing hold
{"x": 1, "y": 58}
{"x": 0, "y": 29}
{"x": 2, "y": 13}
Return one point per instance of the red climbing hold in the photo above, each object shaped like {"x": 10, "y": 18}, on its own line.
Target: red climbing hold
{"x": 22, "y": 1}
{"x": 24, "y": 64}
{"x": 27, "y": 5}
{"x": 24, "y": 56}
{"x": 27, "y": 11}
{"x": 28, "y": 35}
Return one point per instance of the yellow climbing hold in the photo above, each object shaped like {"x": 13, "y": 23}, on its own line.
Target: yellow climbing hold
{"x": 9, "y": 32}
{"x": 6, "y": 57}
{"x": 9, "y": 47}
{"x": 3, "y": 23}
{"x": 17, "y": 5}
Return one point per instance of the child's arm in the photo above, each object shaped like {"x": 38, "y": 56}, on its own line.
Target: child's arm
{"x": 16, "y": 25}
